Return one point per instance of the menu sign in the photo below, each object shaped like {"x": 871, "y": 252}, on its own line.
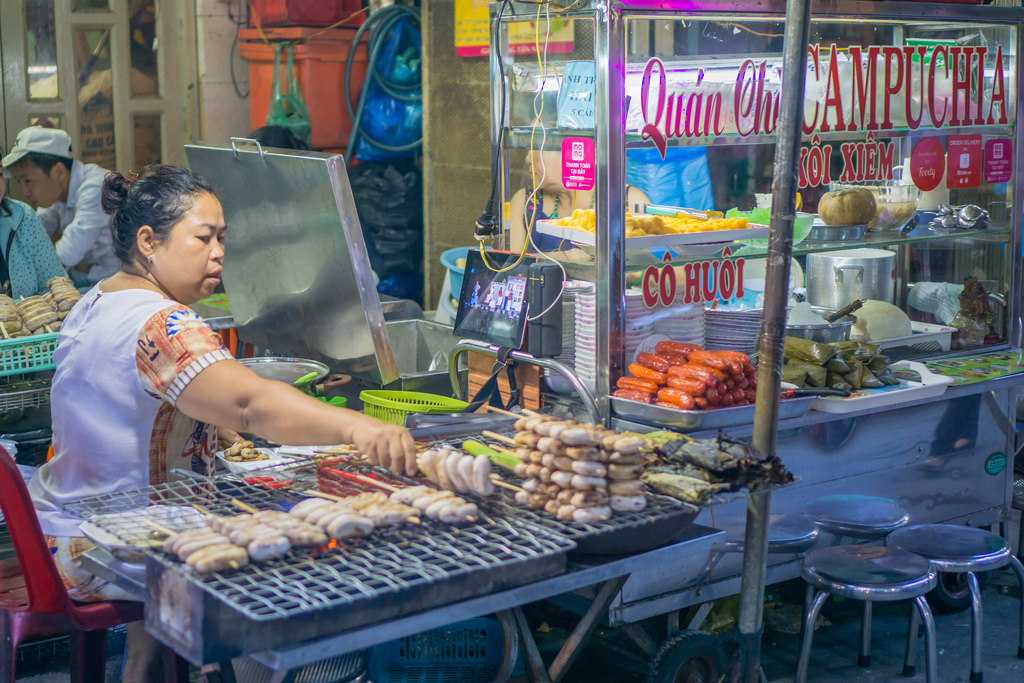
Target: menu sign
{"x": 871, "y": 89}
{"x": 998, "y": 160}
{"x": 963, "y": 162}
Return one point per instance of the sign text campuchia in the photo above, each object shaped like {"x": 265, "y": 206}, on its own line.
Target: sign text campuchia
{"x": 871, "y": 89}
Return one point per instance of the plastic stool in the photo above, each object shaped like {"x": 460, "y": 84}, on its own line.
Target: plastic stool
{"x": 953, "y": 548}
{"x": 866, "y": 518}
{"x": 868, "y": 573}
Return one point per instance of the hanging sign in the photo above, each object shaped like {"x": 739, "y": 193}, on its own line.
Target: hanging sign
{"x": 473, "y": 27}
{"x": 963, "y": 162}
{"x": 701, "y": 281}
{"x": 998, "y": 160}
{"x": 870, "y": 89}
{"x": 578, "y": 163}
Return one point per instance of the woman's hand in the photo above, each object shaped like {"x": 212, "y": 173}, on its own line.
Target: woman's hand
{"x": 386, "y": 445}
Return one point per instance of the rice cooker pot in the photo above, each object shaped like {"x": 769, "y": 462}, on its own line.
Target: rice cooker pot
{"x": 836, "y": 278}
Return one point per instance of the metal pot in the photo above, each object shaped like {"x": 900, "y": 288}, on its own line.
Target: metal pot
{"x": 836, "y": 278}
{"x": 823, "y": 332}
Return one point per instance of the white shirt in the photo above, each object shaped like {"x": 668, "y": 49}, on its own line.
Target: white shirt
{"x": 112, "y": 422}
{"x": 84, "y": 225}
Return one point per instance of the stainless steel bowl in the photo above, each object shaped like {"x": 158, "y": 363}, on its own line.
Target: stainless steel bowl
{"x": 823, "y": 332}
{"x": 286, "y": 369}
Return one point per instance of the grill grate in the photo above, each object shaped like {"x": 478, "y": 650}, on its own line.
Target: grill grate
{"x": 387, "y": 563}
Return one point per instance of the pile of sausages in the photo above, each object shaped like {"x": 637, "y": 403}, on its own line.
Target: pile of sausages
{"x": 454, "y": 470}
{"x": 579, "y": 473}
{"x": 687, "y": 377}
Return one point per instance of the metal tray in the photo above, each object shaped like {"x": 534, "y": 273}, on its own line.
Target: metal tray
{"x": 702, "y": 419}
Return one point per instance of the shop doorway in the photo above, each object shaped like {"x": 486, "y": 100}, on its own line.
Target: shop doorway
{"x": 118, "y": 75}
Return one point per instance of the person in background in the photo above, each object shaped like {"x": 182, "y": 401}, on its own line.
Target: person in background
{"x": 27, "y": 258}
{"x": 277, "y": 136}
{"x": 66, "y": 194}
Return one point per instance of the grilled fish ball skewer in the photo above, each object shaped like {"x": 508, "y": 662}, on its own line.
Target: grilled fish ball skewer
{"x": 634, "y": 487}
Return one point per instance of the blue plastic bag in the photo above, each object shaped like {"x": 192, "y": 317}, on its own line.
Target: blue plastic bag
{"x": 396, "y": 122}
{"x": 682, "y": 178}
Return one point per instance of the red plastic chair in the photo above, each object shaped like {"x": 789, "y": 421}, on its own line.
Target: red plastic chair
{"x": 34, "y": 602}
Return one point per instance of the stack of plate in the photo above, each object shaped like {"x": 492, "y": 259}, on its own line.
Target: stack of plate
{"x": 585, "y": 339}
{"x": 639, "y": 326}
{"x": 682, "y": 323}
{"x": 732, "y": 330}
{"x": 572, "y": 288}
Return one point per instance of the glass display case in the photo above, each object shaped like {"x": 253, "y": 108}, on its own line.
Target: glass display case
{"x": 637, "y": 141}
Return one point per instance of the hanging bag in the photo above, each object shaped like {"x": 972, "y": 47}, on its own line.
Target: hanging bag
{"x": 288, "y": 110}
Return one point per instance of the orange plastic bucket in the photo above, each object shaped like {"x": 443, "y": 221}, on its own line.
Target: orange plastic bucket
{"x": 320, "y": 65}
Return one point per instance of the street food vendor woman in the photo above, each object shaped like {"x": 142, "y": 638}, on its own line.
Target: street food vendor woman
{"x": 141, "y": 380}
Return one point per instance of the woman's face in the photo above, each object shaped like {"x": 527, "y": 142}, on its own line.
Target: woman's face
{"x": 188, "y": 263}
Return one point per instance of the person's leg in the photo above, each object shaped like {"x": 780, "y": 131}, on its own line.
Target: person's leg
{"x": 142, "y": 653}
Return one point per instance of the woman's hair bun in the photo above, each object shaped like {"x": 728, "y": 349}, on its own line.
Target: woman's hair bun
{"x": 115, "y": 191}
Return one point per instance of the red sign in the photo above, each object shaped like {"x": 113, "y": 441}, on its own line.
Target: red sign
{"x": 927, "y": 164}
{"x": 701, "y": 281}
{"x": 884, "y": 87}
{"x": 963, "y": 162}
{"x": 998, "y": 160}
{"x": 578, "y": 163}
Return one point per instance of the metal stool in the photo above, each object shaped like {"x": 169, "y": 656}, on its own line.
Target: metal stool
{"x": 865, "y": 518}
{"x": 868, "y": 573}
{"x": 953, "y": 548}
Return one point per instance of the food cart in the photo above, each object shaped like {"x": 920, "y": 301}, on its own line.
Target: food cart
{"x": 909, "y": 103}
{"x": 943, "y": 452}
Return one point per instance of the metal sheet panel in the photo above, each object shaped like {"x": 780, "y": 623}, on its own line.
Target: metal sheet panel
{"x": 296, "y": 271}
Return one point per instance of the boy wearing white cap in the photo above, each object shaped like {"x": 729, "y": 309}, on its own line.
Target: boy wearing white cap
{"x": 66, "y": 193}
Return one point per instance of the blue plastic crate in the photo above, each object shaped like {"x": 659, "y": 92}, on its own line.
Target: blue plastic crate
{"x": 449, "y": 259}
{"x": 466, "y": 652}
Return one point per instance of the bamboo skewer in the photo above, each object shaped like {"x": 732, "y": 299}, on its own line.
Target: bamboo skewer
{"x": 499, "y": 437}
{"x": 244, "y": 507}
{"x": 501, "y": 483}
{"x": 4, "y": 331}
{"x": 338, "y": 499}
{"x": 158, "y": 527}
{"x": 499, "y": 411}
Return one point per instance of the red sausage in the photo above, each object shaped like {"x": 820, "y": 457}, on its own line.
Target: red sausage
{"x": 640, "y": 371}
{"x": 693, "y": 372}
{"x": 634, "y": 395}
{"x": 710, "y": 359}
{"x": 691, "y": 386}
{"x": 700, "y": 402}
{"x": 674, "y": 358}
{"x": 677, "y": 396}
{"x": 637, "y": 384}
{"x": 656, "y": 363}
{"x": 669, "y": 346}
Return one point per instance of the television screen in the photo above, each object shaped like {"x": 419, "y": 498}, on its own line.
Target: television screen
{"x": 493, "y": 306}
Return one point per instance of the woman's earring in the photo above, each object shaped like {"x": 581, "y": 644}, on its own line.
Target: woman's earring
{"x": 149, "y": 261}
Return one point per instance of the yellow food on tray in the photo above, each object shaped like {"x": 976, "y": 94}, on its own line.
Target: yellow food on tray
{"x": 645, "y": 225}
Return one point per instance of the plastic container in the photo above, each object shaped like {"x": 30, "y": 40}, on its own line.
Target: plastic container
{"x": 449, "y": 259}
{"x": 26, "y": 355}
{"x": 465, "y": 652}
{"x": 393, "y": 406}
{"x": 304, "y": 12}
{"x": 320, "y": 65}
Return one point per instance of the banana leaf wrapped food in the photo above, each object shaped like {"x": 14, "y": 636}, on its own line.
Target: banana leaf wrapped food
{"x": 808, "y": 351}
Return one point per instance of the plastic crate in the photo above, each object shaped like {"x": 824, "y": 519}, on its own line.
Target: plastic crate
{"x": 465, "y": 652}
{"x": 393, "y": 406}
{"x": 449, "y": 259}
{"x": 25, "y": 355}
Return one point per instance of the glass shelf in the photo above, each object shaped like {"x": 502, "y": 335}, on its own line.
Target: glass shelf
{"x": 582, "y": 266}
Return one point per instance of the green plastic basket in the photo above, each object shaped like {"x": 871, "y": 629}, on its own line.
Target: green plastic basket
{"x": 25, "y": 355}
{"x": 393, "y": 406}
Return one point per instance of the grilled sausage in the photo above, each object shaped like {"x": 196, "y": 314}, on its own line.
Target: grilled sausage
{"x": 482, "y": 483}
{"x": 268, "y": 548}
{"x": 628, "y": 503}
{"x": 347, "y": 525}
{"x": 186, "y": 550}
{"x": 592, "y": 515}
{"x": 217, "y": 558}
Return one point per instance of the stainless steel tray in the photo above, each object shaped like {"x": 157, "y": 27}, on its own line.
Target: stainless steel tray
{"x": 702, "y": 419}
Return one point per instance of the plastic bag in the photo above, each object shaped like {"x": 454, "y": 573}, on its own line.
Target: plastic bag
{"x": 394, "y": 121}
{"x": 682, "y": 178}
{"x": 288, "y": 110}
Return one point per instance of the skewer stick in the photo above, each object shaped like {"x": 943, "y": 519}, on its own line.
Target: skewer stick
{"x": 158, "y": 527}
{"x": 531, "y": 413}
{"x": 244, "y": 507}
{"x": 369, "y": 480}
{"x": 501, "y": 483}
{"x": 201, "y": 510}
{"x": 4, "y": 331}
{"x": 499, "y": 437}
{"x": 499, "y": 411}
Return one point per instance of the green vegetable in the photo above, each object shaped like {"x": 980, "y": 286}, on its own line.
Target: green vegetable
{"x": 478, "y": 449}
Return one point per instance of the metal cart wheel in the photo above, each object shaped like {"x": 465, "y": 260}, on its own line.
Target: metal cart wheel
{"x": 688, "y": 657}
{"x": 952, "y": 594}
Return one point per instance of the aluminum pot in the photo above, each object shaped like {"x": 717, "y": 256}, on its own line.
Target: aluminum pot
{"x": 836, "y": 278}
{"x": 823, "y": 332}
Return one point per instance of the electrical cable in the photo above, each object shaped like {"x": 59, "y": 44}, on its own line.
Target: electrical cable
{"x": 487, "y": 224}
{"x": 379, "y": 24}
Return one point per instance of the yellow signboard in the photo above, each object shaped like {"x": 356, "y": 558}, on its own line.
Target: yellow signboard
{"x": 472, "y": 32}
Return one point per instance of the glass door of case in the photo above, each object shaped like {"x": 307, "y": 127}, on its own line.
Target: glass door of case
{"x": 107, "y": 71}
